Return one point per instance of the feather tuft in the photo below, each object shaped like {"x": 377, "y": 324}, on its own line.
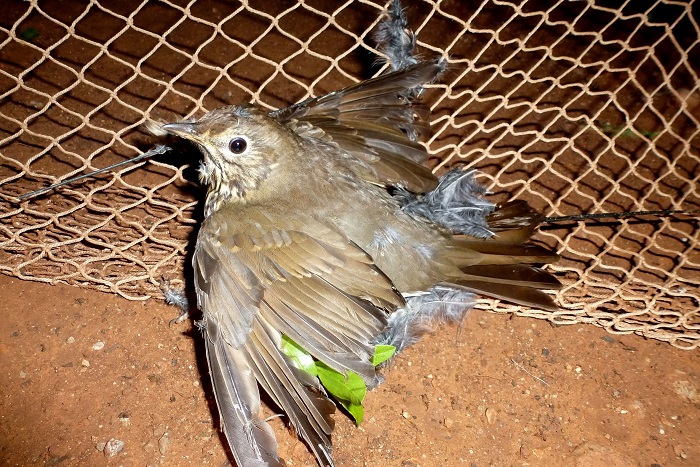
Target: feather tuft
{"x": 456, "y": 204}
{"x": 394, "y": 38}
{"x": 423, "y": 312}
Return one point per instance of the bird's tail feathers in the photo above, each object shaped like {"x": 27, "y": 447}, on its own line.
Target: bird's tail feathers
{"x": 520, "y": 294}
{"x": 503, "y": 265}
{"x": 491, "y": 244}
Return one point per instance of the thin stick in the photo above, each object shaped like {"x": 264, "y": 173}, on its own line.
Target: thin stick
{"x": 160, "y": 149}
{"x": 523, "y": 368}
{"x": 621, "y": 215}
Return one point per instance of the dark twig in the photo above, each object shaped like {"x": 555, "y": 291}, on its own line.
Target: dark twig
{"x": 622, "y": 215}
{"x": 160, "y": 149}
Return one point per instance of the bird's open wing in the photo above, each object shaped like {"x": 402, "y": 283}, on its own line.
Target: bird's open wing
{"x": 375, "y": 122}
{"x": 255, "y": 283}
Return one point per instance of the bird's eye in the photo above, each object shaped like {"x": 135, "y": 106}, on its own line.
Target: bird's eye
{"x": 238, "y": 145}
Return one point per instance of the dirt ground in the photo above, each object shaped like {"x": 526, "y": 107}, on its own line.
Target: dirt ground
{"x": 81, "y": 368}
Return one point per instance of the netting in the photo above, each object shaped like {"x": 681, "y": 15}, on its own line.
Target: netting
{"x": 575, "y": 106}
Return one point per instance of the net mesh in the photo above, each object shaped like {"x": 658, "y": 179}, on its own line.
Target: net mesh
{"x": 575, "y": 106}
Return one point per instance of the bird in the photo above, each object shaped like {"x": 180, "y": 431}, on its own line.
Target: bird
{"x": 323, "y": 225}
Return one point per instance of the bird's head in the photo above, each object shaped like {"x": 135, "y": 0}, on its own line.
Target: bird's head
{"x": 241, "y": 148}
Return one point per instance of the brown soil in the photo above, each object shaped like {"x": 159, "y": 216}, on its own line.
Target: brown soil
{"x": 497, "y": 391}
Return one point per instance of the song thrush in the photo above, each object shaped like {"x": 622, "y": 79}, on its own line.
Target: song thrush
{"x": 321, "y": 223}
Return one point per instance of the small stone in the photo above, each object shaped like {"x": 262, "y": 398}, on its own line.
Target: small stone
{"x": 448, "y": 423}
{"x": 405, "y": 414}
{"x": 113, "y": 447}
{"x": 159, "y": 431}
{"x": 70, "y": 340}
{"x": 678, "y": 451}
{"x": 99, "y": 345}
{"x": 164, "y": 443}
{"x": 85, "y": 363}
{"x": 525, "y": 451}
{"x": 100, "y": 446}
{"x": 490, "y": 416}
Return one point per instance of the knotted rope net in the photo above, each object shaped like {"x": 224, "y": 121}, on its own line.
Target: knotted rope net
{"x": 575, "y": 106}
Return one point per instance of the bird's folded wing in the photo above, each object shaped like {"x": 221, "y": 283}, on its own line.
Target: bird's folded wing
{"x": 375, "y": 122}
{"x": 251, "y": 438}
{"x": 257, "y": 283}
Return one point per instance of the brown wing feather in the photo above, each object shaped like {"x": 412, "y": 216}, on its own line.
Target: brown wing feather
{"x": 372, "y": 120}
{"x": 251, "y": 438}
{"x": 295, "y": 391}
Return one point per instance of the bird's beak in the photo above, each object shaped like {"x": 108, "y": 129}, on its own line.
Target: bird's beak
{"x": 185, "y": 130}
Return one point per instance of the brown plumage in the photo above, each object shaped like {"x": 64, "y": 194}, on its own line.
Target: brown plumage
{"x": 303, "y": 238}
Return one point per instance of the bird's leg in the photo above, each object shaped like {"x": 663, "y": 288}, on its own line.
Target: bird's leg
{"x": 176, "y": 297}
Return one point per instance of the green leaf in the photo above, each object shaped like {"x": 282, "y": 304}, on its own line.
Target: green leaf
{"x": 356, "y": 410}
{"x": 382, "y": 353}
{"x": 348, "y": 390}
{"x": 300, "y": 357}
{"x": 350, "y": 387}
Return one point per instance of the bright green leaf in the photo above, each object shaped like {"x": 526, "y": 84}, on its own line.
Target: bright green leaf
{"x": 350, "y": 388}
{"x": 300, "y": 357}
{"x": 382, "y": 353}
{"x": 356, "y": 410}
